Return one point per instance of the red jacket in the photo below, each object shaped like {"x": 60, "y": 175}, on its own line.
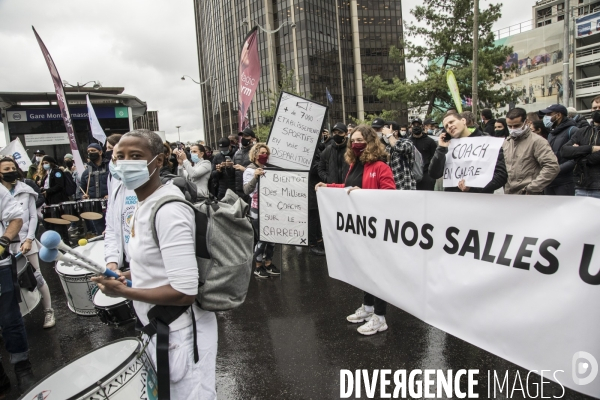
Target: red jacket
{"x": 376, "y": 175}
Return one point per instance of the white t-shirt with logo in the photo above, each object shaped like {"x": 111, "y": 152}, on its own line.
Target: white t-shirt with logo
{"x": 129, "y": 203}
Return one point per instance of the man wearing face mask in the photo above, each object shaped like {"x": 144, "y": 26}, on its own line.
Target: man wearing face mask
{"x": 222, "y": 169}
{"x": 561, "y": 130}
{"x": 530, "y": 162}
{"x": 429, "y": 126}
{"x": 325, "y": 140}
{"x": 332, "y": 165}
{"x": 426, "y": 146}
{"x": 241, "y": 160}
{"x": 94, "y": 180}
{"x": 39, "y": 154}
{"x": 377, "y": 126}
{"x": 584, "y": 147}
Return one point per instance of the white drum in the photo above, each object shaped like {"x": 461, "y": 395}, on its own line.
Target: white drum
{"x": 120, "y": 370}
{"x": 29, "y": 300}
{"x": 113, "y": 310}
{"x": 76, "y": 281}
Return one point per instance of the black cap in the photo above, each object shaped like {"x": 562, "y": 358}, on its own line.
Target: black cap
{"x": 555, "y": 108}
{"x": 416, "y": 120}
{"x": 340, "y": 126}
{"x": 42, "y": 152}
{"x": 378, "y": 123}
{"x": 429, "y": 121}
{"x": 224, "y": 143}
{"x": 49, "y": 159}
{"x": 248, "y": 132}
{"x": 393, "y": 125}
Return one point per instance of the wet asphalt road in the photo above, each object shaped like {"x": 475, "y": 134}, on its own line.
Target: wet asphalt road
{"x": 288, "y": 341}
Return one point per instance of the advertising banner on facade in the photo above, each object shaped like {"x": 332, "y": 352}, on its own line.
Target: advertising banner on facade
{"x": 518, "y": 276}
{"x": 249, "y": 75}
{"x": 588, "y": 25}
{"x": 534, "y": 69}
{"x": 62, "y": 103}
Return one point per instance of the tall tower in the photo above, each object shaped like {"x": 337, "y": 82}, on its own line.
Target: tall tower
{"x": 329, "y": 44}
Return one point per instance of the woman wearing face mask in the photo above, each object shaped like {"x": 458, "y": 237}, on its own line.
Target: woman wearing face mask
{"x": 259, "y": 154}
{"x": 167, "y": 274}
{"x": 12, "y": 179}
{"x": 368, "y": 170}
{"x": 197, "y": 171}
{"x": 500, "y": 128}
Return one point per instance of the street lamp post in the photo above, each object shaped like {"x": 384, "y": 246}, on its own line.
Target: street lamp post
{"x": 178, "y": 135}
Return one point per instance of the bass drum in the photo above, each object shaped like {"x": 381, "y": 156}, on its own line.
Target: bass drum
{"x": 29, "y": 300}
{"x": 120, "y": 370}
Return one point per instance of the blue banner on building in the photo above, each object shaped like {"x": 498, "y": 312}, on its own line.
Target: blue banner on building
{"x": 53, "y": 114}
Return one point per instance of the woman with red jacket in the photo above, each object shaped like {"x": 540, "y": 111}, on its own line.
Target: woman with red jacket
{"x": 368, "y": 170}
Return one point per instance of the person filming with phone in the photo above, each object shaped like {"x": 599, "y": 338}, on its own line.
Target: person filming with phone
{"x": 456, "y": 128}
{"x": 223, "y": 172}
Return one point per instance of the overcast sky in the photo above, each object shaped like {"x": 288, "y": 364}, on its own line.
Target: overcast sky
{"x": 144, "y": 46}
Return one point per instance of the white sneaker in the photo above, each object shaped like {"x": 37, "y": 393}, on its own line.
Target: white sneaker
{"x": 49, "y": 320}
{"x": 374, "y": 325}
{"x": 359, "y": 315}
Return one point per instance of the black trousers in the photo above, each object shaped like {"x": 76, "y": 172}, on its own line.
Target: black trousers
{"x": 562, "y": 190}
{"x": 380, "y": 305}
{"x": 314, "y": 227}
{"x": 427, "y": 183}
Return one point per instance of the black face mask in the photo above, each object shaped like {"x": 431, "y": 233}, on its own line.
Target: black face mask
{"x": 246, "y": 142}
{"x": 108, "y": 155}
{"x": 417, "y": 130}
{"x": 596, "y": 116}
{"x": 69, "y": 164}
{"x": 10, "y": 177}
{"x": 94, "y": 156}
{"x": 339, "y": 139}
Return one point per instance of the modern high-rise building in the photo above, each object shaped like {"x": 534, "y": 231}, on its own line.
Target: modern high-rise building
{"x": 330, "y": 44}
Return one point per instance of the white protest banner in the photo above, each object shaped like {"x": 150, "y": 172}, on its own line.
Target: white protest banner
{"x": 471, "y": 159}
{"x": 514, "y": 275}
{"x": 283, "y": 207}
{"x": 16, "y": 150}
{"x": 97, "y": 131}
{"x": 46, "y": 139}
{"x": 295, "y": 132}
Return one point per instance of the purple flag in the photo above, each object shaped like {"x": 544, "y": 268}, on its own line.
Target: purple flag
{"x": 62, "y": 103}
{"x": 249, "y": 76}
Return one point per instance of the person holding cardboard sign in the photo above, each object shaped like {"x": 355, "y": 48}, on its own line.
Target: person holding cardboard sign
{"x": 456, "y": 127}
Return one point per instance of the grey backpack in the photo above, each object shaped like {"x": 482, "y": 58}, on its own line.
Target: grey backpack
{"x": 417, "y": 170}
{"x": 224, "y": 249}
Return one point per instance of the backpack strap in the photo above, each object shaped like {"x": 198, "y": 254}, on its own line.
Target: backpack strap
{"x": 200, "y": 219}
{"x": 570, "y": 129}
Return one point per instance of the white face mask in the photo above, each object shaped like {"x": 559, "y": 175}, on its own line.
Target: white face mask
{"x": 134, "y": 173}
{"x": 516, "y": 133}
{"x": 38, "y": 158}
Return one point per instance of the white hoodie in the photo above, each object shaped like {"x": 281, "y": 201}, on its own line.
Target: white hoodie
{"x": 26, "y": 197}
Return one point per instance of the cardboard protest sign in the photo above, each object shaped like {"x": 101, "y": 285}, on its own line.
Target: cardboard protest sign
{"x": 471, "y": 159}
{"x": 295, "y": 132}
{"x": 283, "y": 207}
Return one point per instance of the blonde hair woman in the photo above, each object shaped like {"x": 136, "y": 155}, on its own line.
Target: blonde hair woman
{"x": 259, "y": 155}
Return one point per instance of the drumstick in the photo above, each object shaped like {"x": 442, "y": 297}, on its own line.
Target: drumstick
{"x": 82, "y": 191}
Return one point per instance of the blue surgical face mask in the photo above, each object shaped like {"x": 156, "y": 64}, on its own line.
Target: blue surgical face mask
{"x": 47, "y": 167}
{"x": 195, "y": 158}
{"x": 547, "y": 121}
{"x": 134, "y": 173}
{"x": 430, "y": 131}
{"x": 224, "y": 152}
{"x": 113, "y": 171}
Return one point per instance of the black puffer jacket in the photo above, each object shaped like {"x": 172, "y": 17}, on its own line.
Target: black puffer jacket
{"x": 583, "y": 154}
{"x": 55, "y": 194}
{"x": 436, "y": 170}
{"x": 224, "y": 179}
{"x": 557, "y": 138}
{"x": 333, "y": 168}
{"x": 241, "y": 157}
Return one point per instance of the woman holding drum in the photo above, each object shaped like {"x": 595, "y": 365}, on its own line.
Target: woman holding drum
{"x": 12, "y": 179}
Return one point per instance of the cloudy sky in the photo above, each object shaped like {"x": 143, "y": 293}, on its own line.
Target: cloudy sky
{"x": 144, "y": 46}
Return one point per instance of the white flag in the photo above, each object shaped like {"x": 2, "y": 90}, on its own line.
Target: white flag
{"x": 97, "y": 131}
{"x": 16, "y": 150}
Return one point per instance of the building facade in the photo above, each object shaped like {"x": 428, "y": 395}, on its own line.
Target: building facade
{"x": 329, "y": 44}
{"x": 147, "y": 121}
{"x": 546, "y": 12}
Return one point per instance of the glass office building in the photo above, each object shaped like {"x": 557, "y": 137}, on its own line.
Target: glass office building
{"x": 329, "y": 43}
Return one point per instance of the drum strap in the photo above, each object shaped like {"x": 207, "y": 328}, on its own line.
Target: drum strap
{"x": 160, "y": 317}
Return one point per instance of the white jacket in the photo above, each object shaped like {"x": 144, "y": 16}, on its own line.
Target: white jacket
{"x": 199, "y": 174}
{"x": 113, "y": 235}
{"x": 26, "y": 197}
